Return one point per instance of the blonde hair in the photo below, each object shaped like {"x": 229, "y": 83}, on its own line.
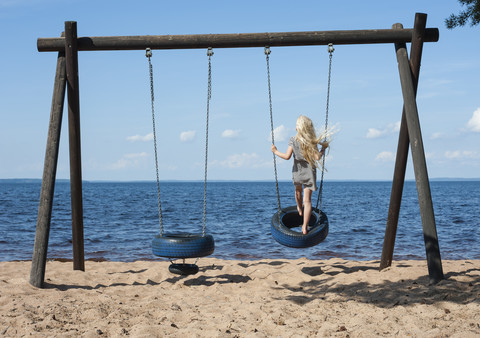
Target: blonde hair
{"x": 309, "y": 141}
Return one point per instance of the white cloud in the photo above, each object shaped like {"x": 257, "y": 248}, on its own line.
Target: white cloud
{"x": 187, "y": 136}
{"x": 244, "y": 160}
{"x": 280, "y": 133}
{"x": 129, "y": 160}
{"x": 145, "y": 138}
{"x": 453, "y": 154}
{"x": 229, "y": 133}
{"x": 389, "y": 129}
{"x": 385, "y": 156}
{"x": 437, "y": 135}
{"x": 374, "y": 133}
{"x": 464, "y": 154}
{"x": 135, "y": 155}
{"x": 396, "y": 126}
{"x": 474, "y": 123}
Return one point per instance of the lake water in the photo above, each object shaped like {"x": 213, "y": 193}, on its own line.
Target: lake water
{"x": 120, "y": 219}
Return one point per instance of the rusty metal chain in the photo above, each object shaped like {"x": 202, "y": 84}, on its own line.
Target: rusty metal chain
{"x": 320, "y": 190}
{"x": 267, "y": 56}
{"x": 148, "y": 54}
{"x": 209, "y": 96}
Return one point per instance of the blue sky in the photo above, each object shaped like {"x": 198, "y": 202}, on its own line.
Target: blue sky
{"x": 365, "y": 104}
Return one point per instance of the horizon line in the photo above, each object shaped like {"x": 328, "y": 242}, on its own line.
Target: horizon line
{"x": 32, "y": 180}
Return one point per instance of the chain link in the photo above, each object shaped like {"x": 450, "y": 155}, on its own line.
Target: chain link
{"x": 267, "y": 56}
{"x": 209, "y": 96}
{"x": 320, "y": 190}
{"x": 148, "y": 54}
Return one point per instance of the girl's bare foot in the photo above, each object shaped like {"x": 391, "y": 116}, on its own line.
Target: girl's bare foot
{"x": 300, "y": 211}
{"x": 304, "y": 230}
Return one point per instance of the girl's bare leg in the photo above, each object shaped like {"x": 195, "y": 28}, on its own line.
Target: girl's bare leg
{"x": 307, "y": 208}
{"x": 298, "y": 199}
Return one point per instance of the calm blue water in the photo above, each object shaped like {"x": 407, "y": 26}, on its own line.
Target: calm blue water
{"x": 120, "y": 219}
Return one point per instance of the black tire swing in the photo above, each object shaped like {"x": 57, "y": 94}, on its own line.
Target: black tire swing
{"x": 182, "y": 245}
{"x": 284, "y": 220}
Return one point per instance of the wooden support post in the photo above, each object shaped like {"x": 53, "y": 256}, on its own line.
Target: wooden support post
{"x": 403, "y": 143}
{"x": 71, "y": 56}
{"x": 39, "y": 258}
{"x": 434, "y": 262}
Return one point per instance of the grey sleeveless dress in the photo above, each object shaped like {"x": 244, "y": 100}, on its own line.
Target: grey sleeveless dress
{"x": 302, "y": 171}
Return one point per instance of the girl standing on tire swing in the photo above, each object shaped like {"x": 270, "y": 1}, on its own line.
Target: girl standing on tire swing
{"x": 306, "y": 157}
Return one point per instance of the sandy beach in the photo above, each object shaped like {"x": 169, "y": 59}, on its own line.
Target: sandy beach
{"x": 267, "y": 298}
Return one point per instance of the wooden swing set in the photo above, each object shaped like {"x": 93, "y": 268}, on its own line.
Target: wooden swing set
{"x": 66, "y": 79}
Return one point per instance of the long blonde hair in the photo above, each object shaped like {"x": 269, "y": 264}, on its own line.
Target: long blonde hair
{"x": 309, "y": 141}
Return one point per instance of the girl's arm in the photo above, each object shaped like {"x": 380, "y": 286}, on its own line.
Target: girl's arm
{"x": 286, "y": 155}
